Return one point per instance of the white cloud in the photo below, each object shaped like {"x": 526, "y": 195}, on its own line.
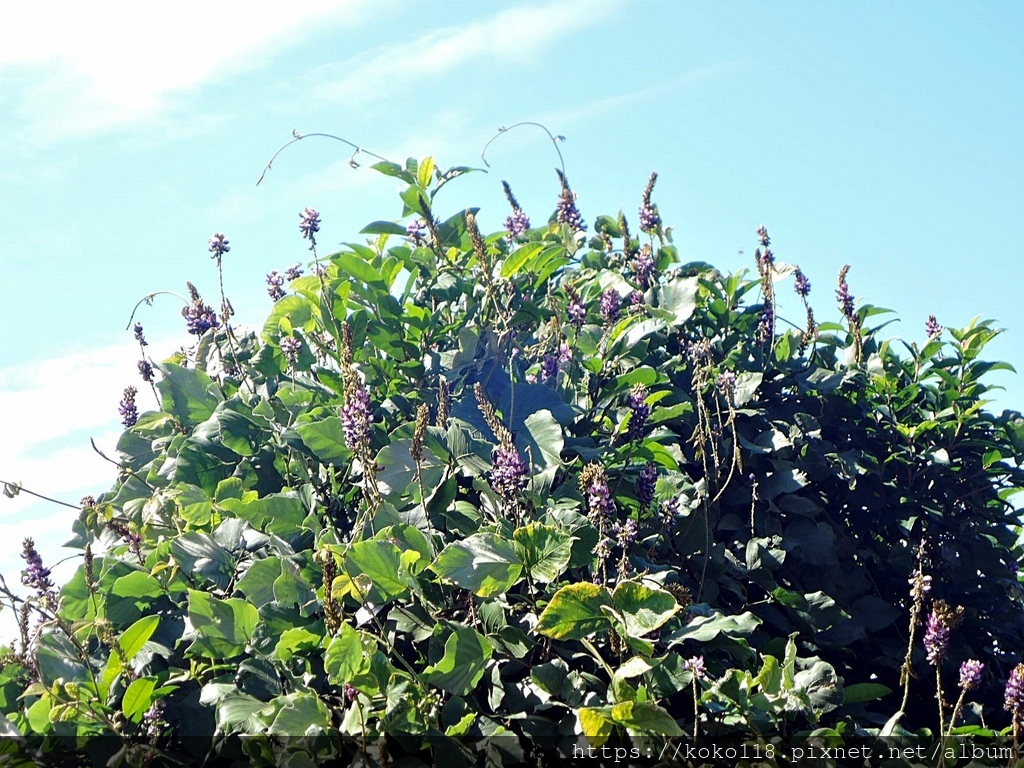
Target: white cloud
{"x": 85, "y": 67}
{"x": 513, "y": 35}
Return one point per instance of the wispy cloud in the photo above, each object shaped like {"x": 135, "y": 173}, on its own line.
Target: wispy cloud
{"x": 85, "y": 67}
{"x": 515, "y": 34}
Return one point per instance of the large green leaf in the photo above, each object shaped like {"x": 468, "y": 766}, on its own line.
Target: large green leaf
{"x": 380, "y": 562}
{"x": 484, "y": 563}
{"x": 225, "y": 627}
{"x": 466, "y": 653}
{"x": 576, "y": 611}
{"x": 544, "y": 550}
{"x": 136, "y": 636}
{"x": 643, "y": 608}
{"x": 326, "y": 439}
{"x": 187, "y": 393}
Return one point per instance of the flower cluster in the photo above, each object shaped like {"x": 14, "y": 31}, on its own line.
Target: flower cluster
{"x": 140, "y": 336}
{"x": 695, "y": 665}
{"x": 1013, "y": 700}
{"x": 567, "y": 213}
{"x": 766, "y": 323}
{"x": 309, "y": 225}
{"x": 801, "y": 284}
{"x": 920, "y": 585}
{"x": 594, "y": 483}
{"x": 290, "y": 348}
{"x": 356, "y": 416}
{"x": 936, "y": 639}
{"x": 218, "y": 245}
{"x": 636, "y": 302}
{"x": 639, "y": 413}
{"x": 726, "y": 382}
{"x": 932, "y": 327}
{"x": 275, "y": 285}
{"x": 970, "y": 674}
{"x": 146, "y": 371}
{"x": 625, "y": 533}
{"x": 643, "y": 267}
{"x": 518, "y": 222}
{"x": 200, "y": 317}
{"x": 153, "y": 719}
{"x": 129, "y": 413}
{"x": 293, "y": 273}
{"x": 35, "y": 575}
{"x": 508, "y": 472}
{"x": 649, "y": 218}
{"x": 610, "y": 306}
{"x": 645, "y": 483}
{"x": 941, "y": 620}
{"x": 576, "y": 311}
{"x": 416, "y": 231}
{"x": 844, "y": 297}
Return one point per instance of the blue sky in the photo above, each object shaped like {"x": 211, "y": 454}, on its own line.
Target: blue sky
{"x": 886, "y": 136}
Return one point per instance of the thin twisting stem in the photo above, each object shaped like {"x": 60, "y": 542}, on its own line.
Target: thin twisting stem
{"x": 299, "y": 136}
{"x": 555, "y": 140}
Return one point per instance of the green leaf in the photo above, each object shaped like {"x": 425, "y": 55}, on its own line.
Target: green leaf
{"x": 680, "y": 298}
{"x": 136, "y": 636}
{"x": 703, "y": 629}
{"x": 520, "y": 258}
{"x": 643, "y": 609}
{"x": 381, "y": 563}
{"x": 138, "y": 698}
{"x": 383, "y": 228}
{"x": 326, "y": 439}
{"x": 466, "y": 653}
{"x": 645, "y": 718}
{"x": 298, "y": 714}
{"x": 225, "y": 626}
{"x": 575, "y": 612}
{"x": 597, "y": 724}
{"x": 544, "y": 550}
{"x": 348, "y": 655}
{"x": 198, "y": 553}
{"x": 543, "y": 437}
{"x": 484, "y": 563}
{"x": 187, "y": 393}
{"x": 295, "y": 640}
{"x": 861, "y": 692}
{"x": 258, "y": 582}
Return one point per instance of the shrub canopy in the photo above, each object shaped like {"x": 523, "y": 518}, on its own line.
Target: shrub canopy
{"x": 472, "y": 496}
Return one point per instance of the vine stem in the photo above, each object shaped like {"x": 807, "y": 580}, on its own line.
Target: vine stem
{"x": 299, "y": 136}
{"x": 13, "y": 489}
{"x": 555, "y": 140}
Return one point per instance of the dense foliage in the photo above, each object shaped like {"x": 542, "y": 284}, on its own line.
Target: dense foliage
{"x": 475, "y": 498}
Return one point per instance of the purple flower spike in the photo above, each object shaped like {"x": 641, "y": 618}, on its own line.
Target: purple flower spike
{"x": 932, "y": 327}
{"x": 35, "y": 575}
{"x": 219, "y": 245}
{"x": 640, "y": 412}
{"x": 309, "y": 224}
{"x": 517, "y": 223}
{"x": 140, "y": 336}
{"x": 643, "y": 267}
{"x": 129, "y": 413}
{"x": 200, "y": 318}
{"x": 275, "y": 285}
{"x": 290, "y": 348}
{"x": 645, "y": 485}
{"x": 970, "y": 674}
{"x": 293, "y": 273}
{"x": 936, "y": 639}
{"x": 1013, "y": 701}
{"x": 416, "y": 231}
{"x": 146, "y": 371}
{"x": 567, "y": 213}
{"x": 802, "y": 285}
{"x": 355, "y": 419}
{"x": 508, "y": 473}
{"x": 695, "y": 665}
{"x": 610, "y": 306}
